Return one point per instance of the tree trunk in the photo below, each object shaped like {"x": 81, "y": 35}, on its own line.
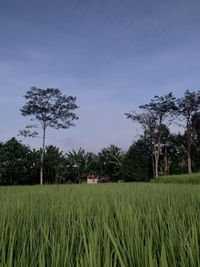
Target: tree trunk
{"x": 157, "y": 153}
{"x": 153, "y": 165}
{"x": 189, "y": 153}
{"x": 42, "y": 157}
{"x": 156, "y": 166}
{"x": 166, "y": 161}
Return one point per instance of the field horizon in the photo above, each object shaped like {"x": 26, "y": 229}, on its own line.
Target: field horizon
{"x": 193, "y": 178}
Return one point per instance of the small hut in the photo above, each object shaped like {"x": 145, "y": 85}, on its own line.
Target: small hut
{"x": 92, "y": 178}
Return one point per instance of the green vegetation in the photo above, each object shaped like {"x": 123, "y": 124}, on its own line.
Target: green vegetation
{"x": 179, "y": 179}
{"x": 50, "y": 109}
{"x": 100, "y": 225}
{"x": 165, "y": 148}
{"x": 156, "y": 152}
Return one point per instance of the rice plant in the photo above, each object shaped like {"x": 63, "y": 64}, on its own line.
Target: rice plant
{"x": 193, "y": 178}
{"x": 100, "y": 225}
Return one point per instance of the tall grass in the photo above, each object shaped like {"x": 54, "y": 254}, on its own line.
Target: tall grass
{"x": 193, "y": 178}
{"x": 143, "y": 225}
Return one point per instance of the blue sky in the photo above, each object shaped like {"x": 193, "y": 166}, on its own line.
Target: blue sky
{"x": 113, "y": 55}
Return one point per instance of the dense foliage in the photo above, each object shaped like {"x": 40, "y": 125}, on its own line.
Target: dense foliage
{"x": 137, "y": 163}
{"x": 19, "y": 164}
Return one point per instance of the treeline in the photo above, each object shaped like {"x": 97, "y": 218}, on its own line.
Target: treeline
{"x": 19, "y": 164}
{"x": 158, "y": 151}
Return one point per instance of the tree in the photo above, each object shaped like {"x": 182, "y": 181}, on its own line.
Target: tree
{"x": 51, "y": 109}
{"x": 195, "y": 149}
{"x": 54, "y": 165}
{"x": 155, "y": 115}
{"x": 76, "y": 160}
{"x": 15, "y": 163}
{"x": 137, "y": 162}
{"x": 188, "y": 107}
{"x": 177, "y": 152}
{"x": 110, "y": 162}
{"x": 90, "y": 163}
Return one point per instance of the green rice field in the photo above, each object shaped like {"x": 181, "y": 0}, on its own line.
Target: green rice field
{"x": 193, "y": 178}
{"x": 138, "y": 224}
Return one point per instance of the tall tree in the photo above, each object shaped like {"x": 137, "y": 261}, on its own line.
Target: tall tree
{"x": 51, "y": 109}
{"x": 155, "y": 115}
{"x": 188, "y": 107}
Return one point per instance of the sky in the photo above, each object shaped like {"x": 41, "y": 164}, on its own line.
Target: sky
{"x": 113, "y": 55}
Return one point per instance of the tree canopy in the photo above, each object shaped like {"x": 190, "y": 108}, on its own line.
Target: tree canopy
{"x": 50, "y": 108}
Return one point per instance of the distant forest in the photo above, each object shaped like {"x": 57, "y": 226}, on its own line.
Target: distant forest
{"x": 157, "y": 152}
